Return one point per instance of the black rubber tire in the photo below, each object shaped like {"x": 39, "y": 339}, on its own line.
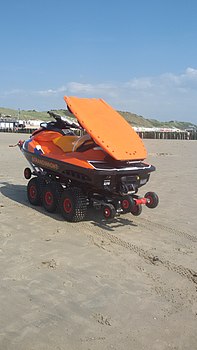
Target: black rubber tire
{"x": 136, "y": 209}
{"x": 73, "y": 204}
{"x": 27, "y": 173}
{"x": 34, "y": 191}
{"x": 109, "y": 211}
{"x": 51, "y": 196}
{"x": 126, "y": 204}
{"x": 153, "y": 200}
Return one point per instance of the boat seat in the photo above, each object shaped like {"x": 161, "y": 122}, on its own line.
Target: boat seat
{"x": 74, "y": 143}
{"x": 66, "y": 143}
{"x": 83, "y": 143}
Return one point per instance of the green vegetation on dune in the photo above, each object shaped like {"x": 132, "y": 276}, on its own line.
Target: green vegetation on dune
{"x": 133, "y": 119}
{"x": 137, "y": 120}
{"x": 24, "y": 115}
{"x": 30, "y": 114}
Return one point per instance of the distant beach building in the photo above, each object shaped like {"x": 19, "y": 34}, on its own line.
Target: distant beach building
{"x": 8, "y": 125}
{"x": 166, "y": 133}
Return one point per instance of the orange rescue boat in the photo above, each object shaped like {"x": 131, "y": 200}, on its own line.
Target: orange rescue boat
{"x": 96, "y": 160}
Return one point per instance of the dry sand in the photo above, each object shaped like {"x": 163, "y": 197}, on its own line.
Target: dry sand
{"x": 128, "y": 284}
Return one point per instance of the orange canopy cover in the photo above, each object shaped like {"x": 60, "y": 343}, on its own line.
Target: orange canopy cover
{"x": 107, "y": 127}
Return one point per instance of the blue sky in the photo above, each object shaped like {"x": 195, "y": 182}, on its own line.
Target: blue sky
{"x": 140, "y": 56}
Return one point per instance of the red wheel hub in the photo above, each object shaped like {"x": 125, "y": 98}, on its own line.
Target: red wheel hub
{"x": 150, "y": 200}
{"x": 33, "y": 192}
{"x": 107, "y": 212}
{"x": 135, "y": 209}
{"x": 67, "y": 205}
{"x": 48, "y": 198}
{"x": 125, "y": 204}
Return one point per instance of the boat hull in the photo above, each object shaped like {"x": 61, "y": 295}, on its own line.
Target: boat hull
{"x": 102, "y": 177}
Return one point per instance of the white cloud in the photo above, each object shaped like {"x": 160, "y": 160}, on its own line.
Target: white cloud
{"x": 50, "y": 92}
{"x": 140, "y": 83}
{"x": 191, "y": 71}
{"x": 166, "y": 96}
{"x": 92, "y": 89}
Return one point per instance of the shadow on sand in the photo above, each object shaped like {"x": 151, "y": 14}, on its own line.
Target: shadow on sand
{"x": 17, "y": 193}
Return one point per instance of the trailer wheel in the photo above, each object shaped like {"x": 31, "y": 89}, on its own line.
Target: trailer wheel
{"x": 51, "y": 196}
{"x": 136, "y": 209}
{"x": 73, "y": 204}
{"x": 109, "y": 211}
{"x": 153, "y": 200}
{"x": 34, "y": 191}
{"x": 127, "y": 204}
{"x": 27, "y": 173}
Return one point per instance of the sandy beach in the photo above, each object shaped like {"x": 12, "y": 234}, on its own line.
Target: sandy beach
{"x": 126, "y": 284}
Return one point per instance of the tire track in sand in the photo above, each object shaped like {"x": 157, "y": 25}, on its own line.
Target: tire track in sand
{"x": 185, "y": 272}
{"x": 150, "y": 225}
